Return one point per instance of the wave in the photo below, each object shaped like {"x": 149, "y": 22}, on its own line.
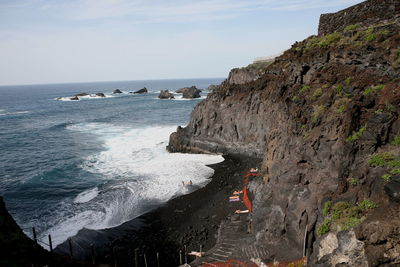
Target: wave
{"x": 86, "y": 97}
{"x": 5, "y": 113}
{"x": 137, "y": 173}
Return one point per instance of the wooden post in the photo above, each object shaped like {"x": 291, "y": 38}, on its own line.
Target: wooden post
{"x": 136, "y": 258}
{"x": 50, "y": 244}
{"x": 180, "y": 257}
{"x": 305, "y": 241}
{"x": 185, "y": 255}
{"x": 115, "y": 257}
{"x": 70, "y": 247}
{"x": 34, "y": 234}
{"x": 158, "y": 259}
{"x": 145, "y": 260}
{"x": 93, "y": 256}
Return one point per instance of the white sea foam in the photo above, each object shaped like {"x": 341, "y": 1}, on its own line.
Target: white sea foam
{"x": 5, "y": 113}
{"x": 87, "y": 195}
{"x": 138, "y": 172}
{"x": 86, "y": 97}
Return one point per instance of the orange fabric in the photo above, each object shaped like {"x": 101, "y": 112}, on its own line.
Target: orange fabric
{"x": 246, "y": 199}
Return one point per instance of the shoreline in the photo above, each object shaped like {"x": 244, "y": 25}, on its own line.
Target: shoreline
{"x": 192, "y": 220}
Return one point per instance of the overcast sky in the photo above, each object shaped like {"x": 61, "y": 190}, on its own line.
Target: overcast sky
{"x": 54, "y": 41}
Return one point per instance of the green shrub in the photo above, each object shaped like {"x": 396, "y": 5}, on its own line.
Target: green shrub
{"x": 378, "y": 111}
{"x": 348, "y": 81}
{"x": 351, "y": 28}
{"x": 326, "y": 208}
{"x": 367, "y": 204}
{"x": 329, "y": 39}
{"x": 379, "y": 160}
{"x": 369, "y": 34}
{"x": 394, "y": 163}
{"x": 317, "y": 93}
{"x": 356, "y": 135}
{"x": 304, "y": 88}
{"x": 390, "y": 107}
{"x": 339, "y": 90}
{"x": 353, "y": 181}
{"x": 349, "y": 223}
{"x": 395, "y": 171}
{"x": 386, "y": 177}
{"x": 384, "y": 32}
{"x": 318, "y": 111}
{"x": 295, "y": 98}
{"x": 324, "y": 227}
{"x": 374, "y": 89}
{"x": 396, "y": 140}
{"x": 342, "y": 109}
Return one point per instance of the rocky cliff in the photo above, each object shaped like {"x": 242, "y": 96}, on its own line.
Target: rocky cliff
{"x": 324, "y": 119}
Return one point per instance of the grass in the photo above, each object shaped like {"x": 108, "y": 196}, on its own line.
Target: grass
{"x": 374, "y": 89}
{"x": 324, "y": 41}
{"x": 317, "y": 93}
{"x": 353, "y": 181}
{"x": 380, "y": 160}
{"x": 390, "y": 107}
{"x": 341, "y": 109}
{"x": 343, "y": 216}
{"x": 318, "y": 111}
{"x": 396, "y": 140}
{"x": 386, "y": 177}
{"x": 369, "y": 35}
{"x": 351, "y": 28}
{"x": 357, "y": 135}
{"x": 348, "y": 81}
{"x": 295, "y": 98}
{"x": 339, "y": 90}
{"x": 378, "y": 111}
{"x": 395, "y": 171}
{"x": 304, "y": 88}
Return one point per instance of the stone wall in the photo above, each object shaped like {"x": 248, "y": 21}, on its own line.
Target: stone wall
{"x": 366, "y": 13}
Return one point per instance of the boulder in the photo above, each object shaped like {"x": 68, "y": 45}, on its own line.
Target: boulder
{"x": 82, "y": 94}
{"x": 100, "y": 94}
{"x": 74, "y": 98}
{"x": 165, "y": 94}
{"x": 141, "y": 91}
{"x": 189, "y": 92}
{"x": 392, "y": 189}
{"x": 117, "y": 91}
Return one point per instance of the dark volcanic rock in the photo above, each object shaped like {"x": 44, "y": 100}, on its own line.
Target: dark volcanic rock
{"x": 165, "y": 94}
{"x": 141, "y": 91}
{"x": 74, "y": 98}
{"x": 100, "y": 94}
{"x": 316, "y": 115}
{"x": 393, "y": 189}
{"x": 212, "y": 87}
{"x": 117, "y": 91}
{"x": 189, "y": 92}
{"x": 82, "y": 94}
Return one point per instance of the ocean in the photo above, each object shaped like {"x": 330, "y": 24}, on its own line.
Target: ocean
{"x": 94, "y": 163}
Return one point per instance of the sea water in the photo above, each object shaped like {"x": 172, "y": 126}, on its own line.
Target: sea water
{"x": 94, "y": 163}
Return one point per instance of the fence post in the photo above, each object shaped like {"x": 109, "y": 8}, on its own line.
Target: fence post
{"x": 50, "y": 244}
{"x": 185, "y": 255}
{"x": 34, "y": 234}
{"x": 93, "y": 256}
{"x": 180, "y": 257}
{"x": 145, "y": 260}
{"x": 70, "y": 247}
{"x": 136, "y": 258}
{"x": 158, "y": 259}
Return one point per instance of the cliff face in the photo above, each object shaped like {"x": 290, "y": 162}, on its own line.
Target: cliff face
{"x": 318, "y": 116}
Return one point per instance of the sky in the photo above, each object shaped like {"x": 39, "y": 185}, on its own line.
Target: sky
{"x": 60, "y": 41}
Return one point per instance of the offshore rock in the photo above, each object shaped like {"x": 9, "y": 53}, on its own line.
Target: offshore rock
{"x": 189, "y": 92}
{"x": 117, "y": 91}
{"x": 100, "y": 94}
{"x": 165, "y": 94}
{"x": 141, "y": 91}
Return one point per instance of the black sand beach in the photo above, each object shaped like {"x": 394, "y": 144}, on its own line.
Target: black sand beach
{"x": 190, "y": 220}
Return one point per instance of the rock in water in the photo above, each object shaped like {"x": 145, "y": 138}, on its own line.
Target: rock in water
{"x": 82, "y": 94}
{"x": 141, "y": 91}
{"x": 165, "y": 94}
{"x": 117, "y": 91}
{"x": 100, "y": 94}
{"x": 74, "y": 98}
{"x": 189, "y": 92}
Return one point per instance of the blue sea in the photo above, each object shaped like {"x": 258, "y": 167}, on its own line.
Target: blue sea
{"x": 97, "y": 162}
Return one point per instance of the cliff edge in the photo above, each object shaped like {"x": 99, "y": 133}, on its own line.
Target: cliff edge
{"x": 324, "y": 117}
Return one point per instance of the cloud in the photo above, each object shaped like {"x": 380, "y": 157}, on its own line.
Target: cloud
{"x": 156, "y": 11}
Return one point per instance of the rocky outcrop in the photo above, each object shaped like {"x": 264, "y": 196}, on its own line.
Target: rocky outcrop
{"x": 365, "y": 14}
{"x": 117, "y": 91}
{"x": 212, "y": 87}
{"x": 100, "y": 94}
{"x": 74, "y": 98}
{"x": 317, "y": 116}
{"x": 165, "y": 94}
{"x": 141, "y": 91}
{"x": 189, "y": 92}
{"x": 81, "y": 94}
